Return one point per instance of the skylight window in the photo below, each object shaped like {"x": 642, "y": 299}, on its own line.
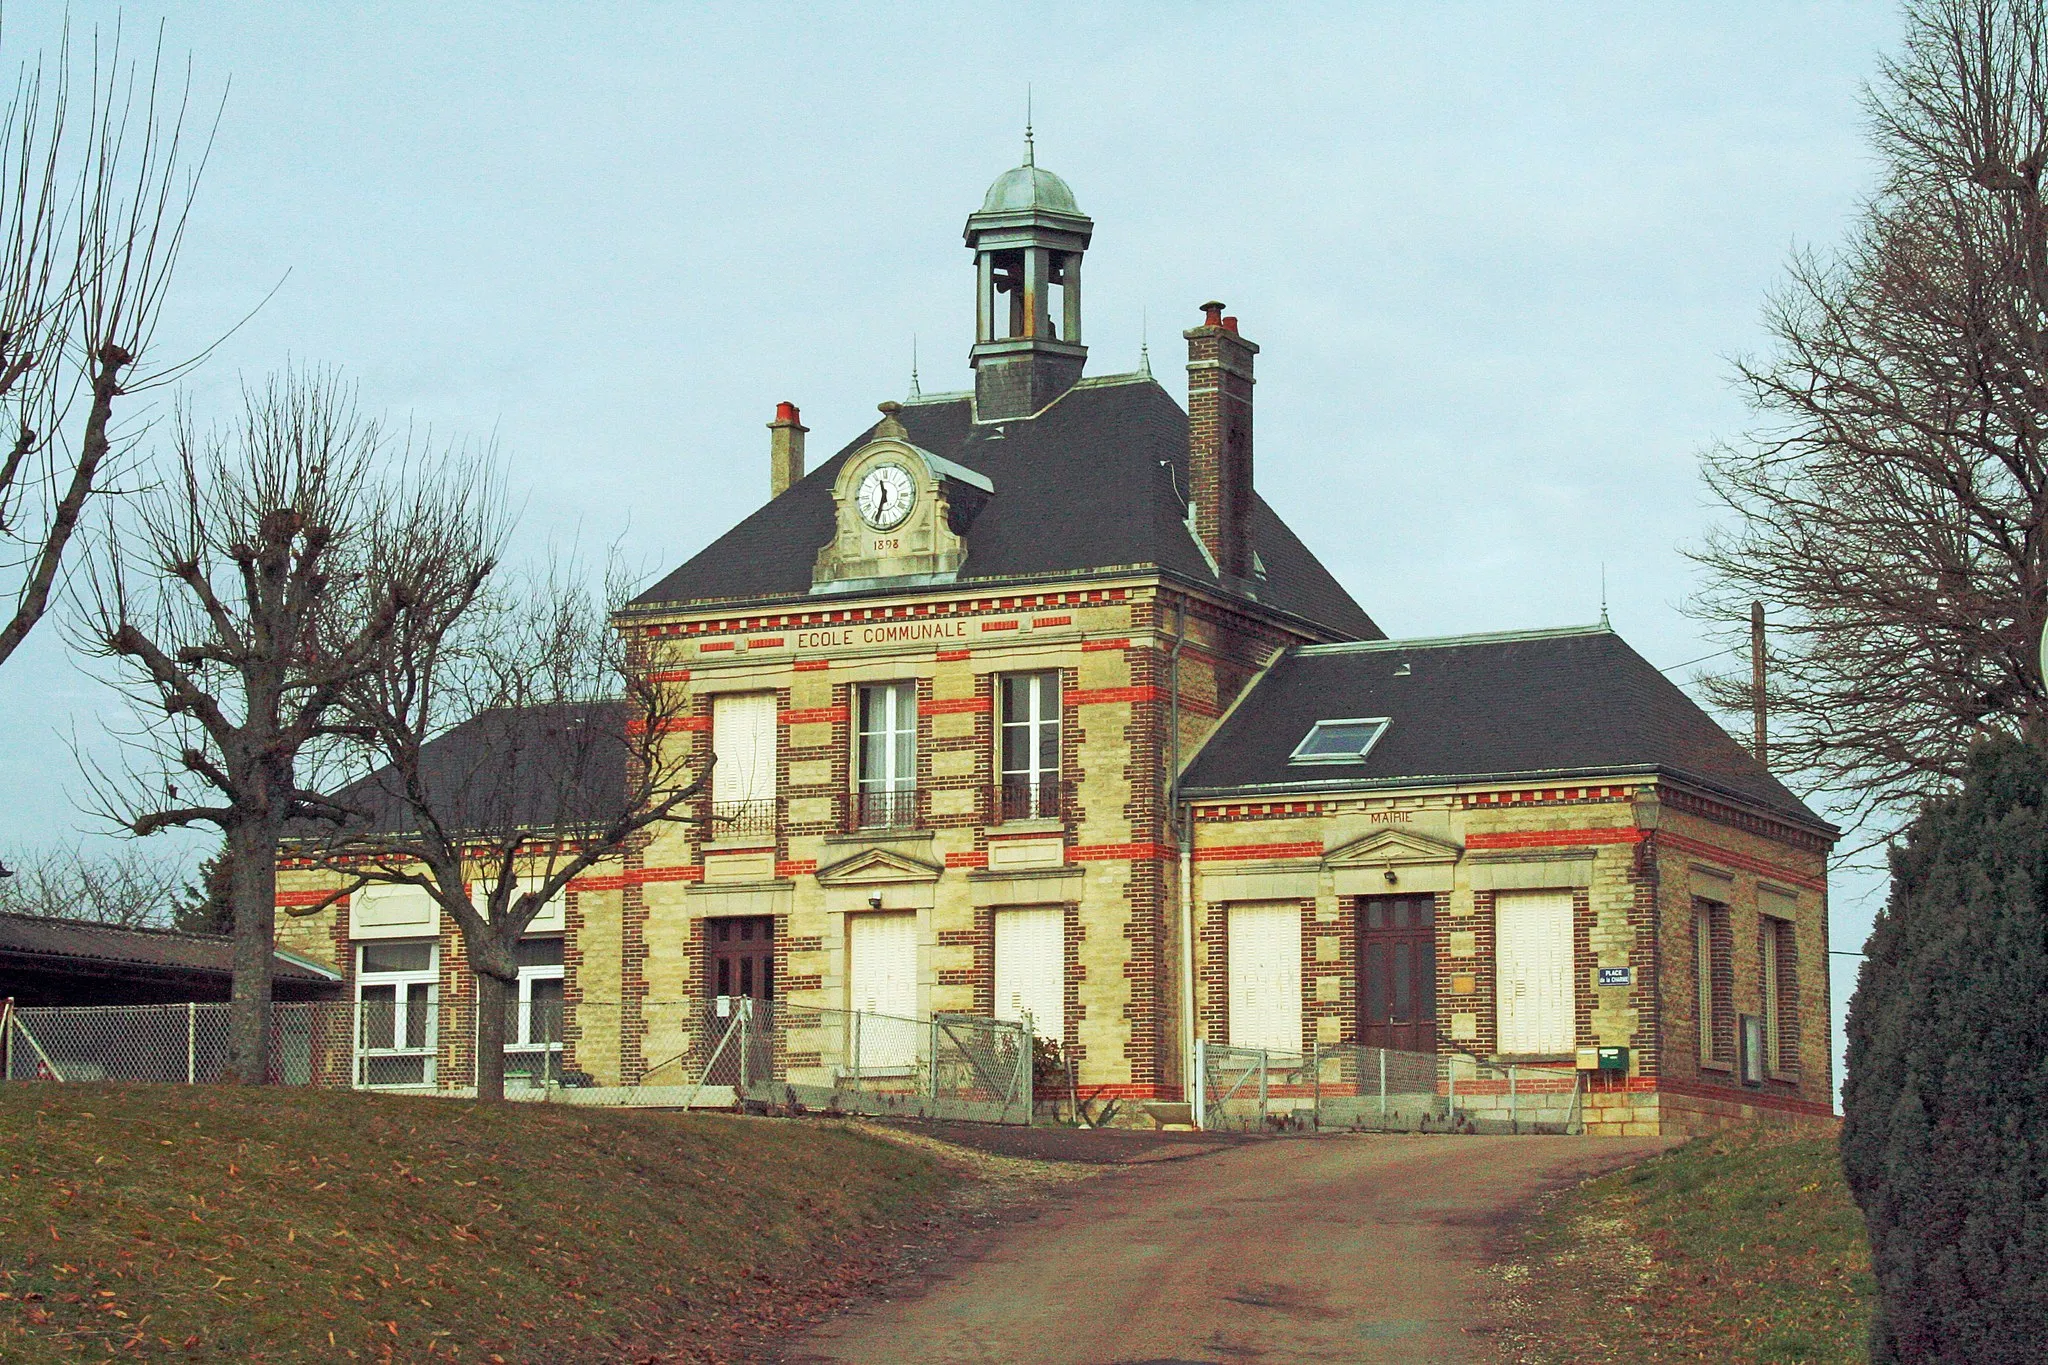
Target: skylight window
{"x": 1339, "y": 741}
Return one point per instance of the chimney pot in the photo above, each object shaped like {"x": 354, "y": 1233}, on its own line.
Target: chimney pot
{"x": 1212, "y": 314}
{"x": 1230, "y": 324}
{"x": 785, "y": 412}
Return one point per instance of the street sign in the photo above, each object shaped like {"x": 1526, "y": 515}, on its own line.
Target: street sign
{"x": 1617, "y": 976}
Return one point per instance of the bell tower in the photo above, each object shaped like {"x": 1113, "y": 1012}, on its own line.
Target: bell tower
{"x": 1027, "y": 239}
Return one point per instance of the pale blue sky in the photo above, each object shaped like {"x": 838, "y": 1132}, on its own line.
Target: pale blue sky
{"x": 1497, "y": 257}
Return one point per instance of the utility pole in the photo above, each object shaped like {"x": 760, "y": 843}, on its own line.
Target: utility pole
{"x": 1760, "y": 745}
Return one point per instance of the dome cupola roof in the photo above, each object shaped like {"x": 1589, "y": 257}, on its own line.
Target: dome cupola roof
{"x": 1029, "y": 187}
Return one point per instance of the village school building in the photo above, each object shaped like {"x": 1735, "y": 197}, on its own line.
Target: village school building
{"x": 1026, "y": 704}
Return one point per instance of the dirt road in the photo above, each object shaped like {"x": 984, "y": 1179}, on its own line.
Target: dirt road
{"x": 1356, "y": 1249}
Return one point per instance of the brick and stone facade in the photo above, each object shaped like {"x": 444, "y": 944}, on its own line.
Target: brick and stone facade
{"x": 1091, "y": 534}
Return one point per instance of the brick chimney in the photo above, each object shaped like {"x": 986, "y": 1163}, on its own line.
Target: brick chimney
{"x": 1220, "y": 438}
{"x": 785, "y": 449}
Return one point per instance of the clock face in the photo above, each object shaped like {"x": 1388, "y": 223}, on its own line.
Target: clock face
{"x": 885, "y": 496}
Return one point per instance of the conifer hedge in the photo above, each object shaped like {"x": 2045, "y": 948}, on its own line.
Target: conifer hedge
{"x": 1945, "y": 1136}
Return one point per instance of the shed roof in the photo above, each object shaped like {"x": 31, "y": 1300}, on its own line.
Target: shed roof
{"x": 150, "y": 951}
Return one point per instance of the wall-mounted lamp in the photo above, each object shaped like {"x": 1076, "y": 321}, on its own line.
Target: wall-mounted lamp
{"x": 1392, "y": 876}
{"x": 875, "y": 901}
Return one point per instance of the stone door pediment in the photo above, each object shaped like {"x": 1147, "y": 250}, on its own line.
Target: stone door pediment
{"x": 878, "y": 866}
{"x": 1392, "y": 861}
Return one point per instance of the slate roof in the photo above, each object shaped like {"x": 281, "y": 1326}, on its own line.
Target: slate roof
{"x": 531, "y": 767}
{"x": 27, "y": 939}
{"x": 1534, "y": 705}
{"x": 1078, "y": 488}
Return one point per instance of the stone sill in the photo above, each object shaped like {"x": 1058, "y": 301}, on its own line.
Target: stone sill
{"x": 1022, "y": 827}
{"x": 879, "y": 835}
{"x": 753, "y": 845}
{"x": 1725, "y": 1068}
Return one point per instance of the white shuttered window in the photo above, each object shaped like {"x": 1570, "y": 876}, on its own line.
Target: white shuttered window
{"x": 743, "y": 778}
{"x": 1031, "y": 975}
{"x": 1265, "y": 976}
{"x": 743, "y": 737}
{"x": 881, "y": 982}
{"x": 1533, "y": 940}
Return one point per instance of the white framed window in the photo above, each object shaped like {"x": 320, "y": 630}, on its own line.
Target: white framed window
{"x": 743, "y": 778}
{"x": 885, "y": 761}
{"x": 1339, "y": 741}
{"x": 1028, "y": 745}
{"x": 533, "y": 1033}
{"x": 397, "y": 998}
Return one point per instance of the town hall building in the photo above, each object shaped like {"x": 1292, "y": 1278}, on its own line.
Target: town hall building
{"x": 1025, "y": 702}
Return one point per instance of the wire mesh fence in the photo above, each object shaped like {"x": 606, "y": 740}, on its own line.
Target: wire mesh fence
{"x": 1382, "y": 1089}
{"x": 719, "y": 1051}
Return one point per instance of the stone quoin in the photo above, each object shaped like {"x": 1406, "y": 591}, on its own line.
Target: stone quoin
{"x": 1025, "y": 701}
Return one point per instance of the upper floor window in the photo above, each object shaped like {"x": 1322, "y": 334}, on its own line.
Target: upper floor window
{"x": 1028, "y": 747}
{"x": 885, "y": 742}
{"x": 743, "y": 778}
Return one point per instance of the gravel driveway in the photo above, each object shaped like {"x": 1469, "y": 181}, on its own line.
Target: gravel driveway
{"x": 1342, "y": 1248}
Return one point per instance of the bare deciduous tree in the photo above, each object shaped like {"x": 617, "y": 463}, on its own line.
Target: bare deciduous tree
{"x": 266, "y": 574}
{"x": 125, "y": 886}
{"x": 95, "y": 190}
{"x": 1889, "y": 508}
{"x": 520, "y": 743}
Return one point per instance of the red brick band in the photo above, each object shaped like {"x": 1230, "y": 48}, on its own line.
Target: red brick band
{"x": 813, "y": 716}
{"x": 1249, "y": 852}
{"x": 954, "y": 707}
{"x": 1556, "y": 838}
{"x": 1747, "y": 864}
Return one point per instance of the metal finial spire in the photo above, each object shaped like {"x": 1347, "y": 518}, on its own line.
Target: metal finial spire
{"x": 1145, "y": 342}
{"x": 1030, "y": 152}
{"x": 915, "y": 391}
{"x": 1603, "y": 595}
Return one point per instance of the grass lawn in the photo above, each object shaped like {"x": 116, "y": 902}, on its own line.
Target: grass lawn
{"x": 1742, "y": 1247}
{"x": 175, "y": 1222}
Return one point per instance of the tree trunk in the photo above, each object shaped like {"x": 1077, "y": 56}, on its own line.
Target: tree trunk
{"x": 491, "y": 995}
{"x": 252, "y": 852}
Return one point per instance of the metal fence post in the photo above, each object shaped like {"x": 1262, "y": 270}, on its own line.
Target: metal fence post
{"x": 1451, "y": 1099}
{"x": 192, "y": 1043}
{"x": 856, "y": 1049}
{"x": 1028, "y": 1059}
{"x": 1201, "y": 1084}
{"x": 1383, "y": 1085}
{"x": 1514, "y": 1107}
{"x": 1262, "y": 1088}
{"x": 746, "y": 1040}
{"x": 1315, "y": 1052}
{"x": 932, "y": 1082}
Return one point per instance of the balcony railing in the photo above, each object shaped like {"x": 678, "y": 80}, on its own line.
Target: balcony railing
{"x": 1025, "y": 798}
{"x": 740, "y": 819}
{"x": 885, "y": 809}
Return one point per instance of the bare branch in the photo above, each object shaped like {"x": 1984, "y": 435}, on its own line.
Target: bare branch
{"x": 1889, "y": 506}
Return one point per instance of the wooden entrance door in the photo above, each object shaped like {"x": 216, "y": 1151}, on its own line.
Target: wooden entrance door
{"x": 739, "y": 956}
{"x": 1397, "y": 972}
